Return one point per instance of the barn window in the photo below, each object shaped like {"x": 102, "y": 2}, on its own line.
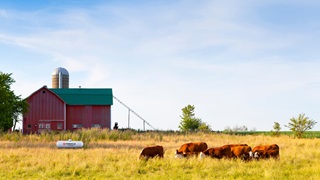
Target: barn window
{"x": 41, "y": 126}
{"x": 29, "y": 126}
{"x": 59, "y": 126}
{"x": 43, "y": 92}
{"x": 48, "y": 126}
{"x": 77, "y": 126}
{"x": 96, "y": 125}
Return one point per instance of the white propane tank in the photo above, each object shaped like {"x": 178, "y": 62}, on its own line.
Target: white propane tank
{"x": 69, "y": 144}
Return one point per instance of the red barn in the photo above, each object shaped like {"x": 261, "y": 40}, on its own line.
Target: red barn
{"x": 68, "y": 109}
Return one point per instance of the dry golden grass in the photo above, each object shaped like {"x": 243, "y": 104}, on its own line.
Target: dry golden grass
{"x": 109, "y": 159}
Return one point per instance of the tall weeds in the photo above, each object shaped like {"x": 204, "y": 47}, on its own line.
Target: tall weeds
{"x": 114, "y": 154}
{"x": 95, "y": 134}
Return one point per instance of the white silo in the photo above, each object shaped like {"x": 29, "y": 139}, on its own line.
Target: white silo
{"x": 60, "y": 78}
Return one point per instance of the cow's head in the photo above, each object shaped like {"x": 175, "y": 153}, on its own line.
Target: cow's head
{"x": 178, "y": 154}
{"x": 250, "y": 154}
{"x": 256, "y": 155}
{"x": 202, "y": 155}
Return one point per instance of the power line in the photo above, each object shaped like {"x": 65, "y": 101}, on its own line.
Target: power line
{"x": 130, "y": 110}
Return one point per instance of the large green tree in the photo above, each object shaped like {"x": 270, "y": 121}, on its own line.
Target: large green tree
{"x": 300, "y": 124}
{"x": 11, "y": 106}
{"x": 191, "y": 123}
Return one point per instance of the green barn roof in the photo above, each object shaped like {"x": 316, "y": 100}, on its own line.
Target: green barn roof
{"x": 85, "y": 96}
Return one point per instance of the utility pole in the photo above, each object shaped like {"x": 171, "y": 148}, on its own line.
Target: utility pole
{"x": 128, "y": 118}
{"x": 130, "y": 110}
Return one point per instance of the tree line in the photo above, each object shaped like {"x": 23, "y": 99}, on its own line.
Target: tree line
{"x": 189, "y": 122}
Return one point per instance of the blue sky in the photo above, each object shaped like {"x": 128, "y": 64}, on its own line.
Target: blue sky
{"x": 238, "y": 62}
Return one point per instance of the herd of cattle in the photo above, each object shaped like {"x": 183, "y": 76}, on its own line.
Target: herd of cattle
{"x": 242, "y": 151}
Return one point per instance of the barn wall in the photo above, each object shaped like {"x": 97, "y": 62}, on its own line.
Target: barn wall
{"x": 44, "y": 108}
{"x": 88, "y": 117}
{"x": 102, "y": 115}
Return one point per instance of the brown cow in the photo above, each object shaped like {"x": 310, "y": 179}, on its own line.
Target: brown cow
{"x": 193, "y": 148}
{"x": 217, "y": 152}
{"x": 151, "y": 151}
{"x": 242, "y": 152}
{"x": 266, "y": 151}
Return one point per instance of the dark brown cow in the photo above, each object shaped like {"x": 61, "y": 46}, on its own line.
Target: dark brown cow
{"x": 266, "y": 151}
{"x": 217, "y": 152}
{"x": 152, "y": 151}
{"x": 242, "y": 152}
{"x": 193, "y": 148}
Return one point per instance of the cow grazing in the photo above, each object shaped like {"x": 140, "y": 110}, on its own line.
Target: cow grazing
{"x": 266, "y": 151}
{"x": 217, "y": 152}
{"x": 242, "y": 152}
{"x": 259, "y": 154}
{"x": 193, "y": 148}
{"x": 151, "y": 152}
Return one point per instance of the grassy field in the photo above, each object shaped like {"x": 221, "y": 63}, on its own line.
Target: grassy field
{"x": 114, "y": 155}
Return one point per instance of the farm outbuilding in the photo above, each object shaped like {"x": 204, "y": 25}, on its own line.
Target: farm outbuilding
{"x": 62, "y": 108}
{"x": 59, "y": 109}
